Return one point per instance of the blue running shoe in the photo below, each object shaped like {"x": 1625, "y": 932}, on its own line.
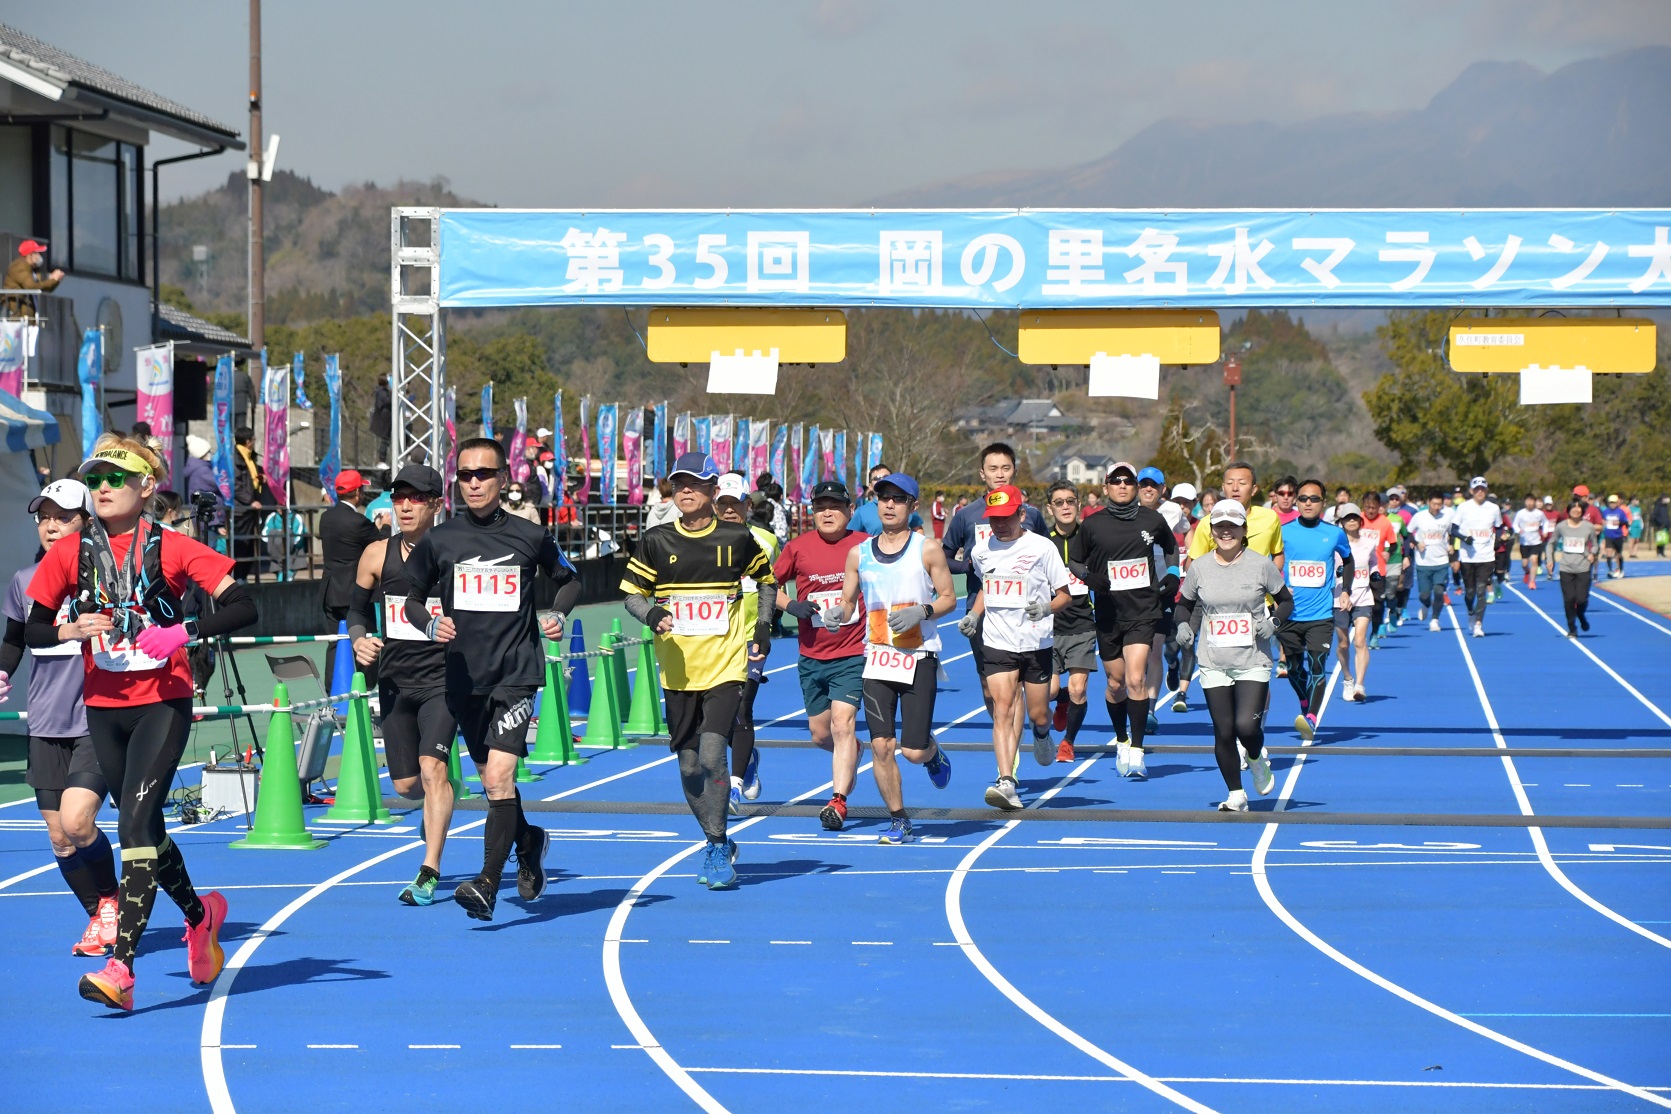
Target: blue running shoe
{"x": 751, "y": 776}
{"x": 1152, "y": 725}
{"x": 939, "y": 769}
{"x": 730, "y": 850}
{"x": 734, "y": 802}
{"x": 898, "y": 832}
{"x": 706, "y": 867}
{"x": 721, "y": 874}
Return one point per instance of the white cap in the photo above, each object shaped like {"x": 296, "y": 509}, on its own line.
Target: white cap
{"x": 1184, "y": 490}
{"x": 1477, "y": 481}
{"x": 72, "y": 495}
{"x": 542, "y": 432}
{"x": 1229, "y": 510}
{"x": 197, "y": 446}
{"x": 1173, "y": 514}
{"x": 1347, "y": 510}
{"x": 732, "y": 486}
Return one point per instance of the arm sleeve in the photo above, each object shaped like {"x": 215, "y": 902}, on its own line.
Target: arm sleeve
{"x": 553, "y": 563}
{"x": 41, "y": 631}
{"x": 11, "y": 649}
{"x": 359, "y": 612}
{"x": 568, "y": 595}
{"x": 767, "y": 594}
{"x": 422, "y": 573}
{"x": 234, "y": 610}
{"x": 639, "y": 607}
{"x": 1284, "y": 603}
{"x": 955, "y": 539}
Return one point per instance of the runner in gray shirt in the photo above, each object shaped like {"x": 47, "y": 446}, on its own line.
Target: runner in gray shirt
{"x": 1575, "y": 543}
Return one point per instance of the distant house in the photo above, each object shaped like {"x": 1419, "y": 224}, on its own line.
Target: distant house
{"x": 1079, "y": 468}
{"x": 1016, "y": 415}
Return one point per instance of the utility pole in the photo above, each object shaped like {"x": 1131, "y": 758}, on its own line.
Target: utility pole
{"x": 1232, "y": 379}
{"x": 257, "y": 264}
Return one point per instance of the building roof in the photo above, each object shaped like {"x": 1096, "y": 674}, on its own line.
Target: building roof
{"x": 44, "y": 69}
{"x": 192, "y": 334}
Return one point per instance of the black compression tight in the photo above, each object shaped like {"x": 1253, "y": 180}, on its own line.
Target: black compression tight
{"x": 1238, "y": 713}
{"x": 1575, "y": 597}
{"x": 742, "y": 732}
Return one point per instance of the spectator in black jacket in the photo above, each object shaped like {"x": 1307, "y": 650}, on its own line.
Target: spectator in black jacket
{"x": 382, "y": 419}
{"x": 254, "y": 498}
{"x": 344, "y": 533}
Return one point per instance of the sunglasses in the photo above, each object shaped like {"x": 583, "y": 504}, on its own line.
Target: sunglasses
{"x": 480, "y": 475}
{"x": 1122, "y": 481}
{"x": 1286, "y": 493}
{"x": 1308, "y": 498}
{"x": 408, "y": 497}
{"x": 114, "y": 480}
{"x": 1064, "y": 502}
{"x": 892, "y": 497}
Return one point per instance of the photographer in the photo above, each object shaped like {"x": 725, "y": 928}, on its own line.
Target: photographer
{"x": 344, "y": 533}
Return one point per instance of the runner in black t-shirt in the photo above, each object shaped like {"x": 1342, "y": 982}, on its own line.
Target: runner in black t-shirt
{"x": 1075, "y": 646}
{"x": 481, "y": 564}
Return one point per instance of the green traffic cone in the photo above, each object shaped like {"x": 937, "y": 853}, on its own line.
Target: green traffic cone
{"x": 603, "y": 722}
{"x": 553, "y": 738}
{"x": 278, "y": 804}
{"x": 646, "y": 718}
{"x": 524, "y": 774}
{"x": 623, "y": 688}
{"x": 455, "y": 773}
{"x": 359, "y": 797}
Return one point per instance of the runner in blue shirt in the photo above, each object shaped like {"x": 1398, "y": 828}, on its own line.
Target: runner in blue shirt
{"x": 1615, "y": 528}
{"x": 866, "y": 518}
{"x": 1312, "y": 546}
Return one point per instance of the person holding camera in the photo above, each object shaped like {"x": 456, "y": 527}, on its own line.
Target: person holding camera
{"x": 344, "y": 534}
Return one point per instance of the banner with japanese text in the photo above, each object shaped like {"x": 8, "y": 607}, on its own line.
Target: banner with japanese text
{"x": 275, "y": 397}
{"x": 779, "y": 458}
{"x": 487, "y": 409}
{"x": 875, "y": 455}
{"x": 719, "y": 443}
{"x": 519, "y": 440}
{"x": 632, "y": 448}
{"x": 585, "y": 491}
{"x": 155, "y": 382}
{"x": 838, "y": 451}
{"x": 559, "y": 453}
{"x": 794, "y": 487}
{"x": 1058, "y": 258}
{"x": 702, "y": 434}
{"x": 759, "y": 449}
{"x": 658, "y": 448}
{"x": 89, "y": 369}
{"x": 740, "y": 447}
{"x": 827, "y": 450}
{"x": 449, "y": 471}
{"x": 608, "y": 431}
{"x": 13, "y": 362}
{"x": 681, "y": 435}
{"x": 298, "y": 365}
{"x": 330, "y": 465}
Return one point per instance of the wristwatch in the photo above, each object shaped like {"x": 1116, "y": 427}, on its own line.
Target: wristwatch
{"x": 190, "y": 623}
{"x": 928, "y": 611}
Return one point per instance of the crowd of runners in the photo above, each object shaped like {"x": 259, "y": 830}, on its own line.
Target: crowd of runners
{"x": 1159, "y": 588}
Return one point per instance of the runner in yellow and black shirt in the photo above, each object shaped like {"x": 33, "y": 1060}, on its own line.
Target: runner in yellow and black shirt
{"x": 685, "y": 583}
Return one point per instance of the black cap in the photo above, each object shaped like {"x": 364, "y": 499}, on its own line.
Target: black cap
{"x": 831, "y": 489}
{"x": 420, "y": 478}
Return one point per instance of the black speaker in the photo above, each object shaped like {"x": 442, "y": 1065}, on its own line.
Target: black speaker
{"x": 191, "y": 391}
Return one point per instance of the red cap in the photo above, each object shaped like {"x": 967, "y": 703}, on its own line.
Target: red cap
{"x": 1582, "y": 491}
{"x": 350, "y": 480}
{"x": 1003, "y": 501}
{"x": 30, "y": 247}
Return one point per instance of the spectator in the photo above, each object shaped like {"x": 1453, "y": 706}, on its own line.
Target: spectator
{"x": 518, "y": 503}
{"x": 938, "y": 514}
{"x": 344, "y": 533}
{"x": 197, "y": 476}
{"x": 768, "y": 507}
{"x": 1660, "y": 520}
{"x": 24, "y": 273}
{"x": 382, "y": 419}
{"x": 252, "y": 495}
{"x": 1091, "y": 505}
{"x": 663, "y": 509}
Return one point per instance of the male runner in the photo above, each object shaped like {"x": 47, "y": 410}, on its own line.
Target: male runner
{"x": 1554, "y": 516}
{"x": 1387, "y": 529}
{"x": 832, "y": 661}
{"x": 1311, "y": 546}
{"x": 1115, "y": 549}
{"x": 1283, "y": 494}
{"x": 866, "y": 519}
{"x": 1430, "y": 541}
{"x": 1073, "y": 647}
{"x": 1531, "y": 530}
{"x": 1474, "y": 526}
{"x": 1023, "y": 584}
{"x": 1615, "y": 529}
{"x": 1151, "y": 493}
{"x": 903, "y": 586}
{"x": 418, "y": 727}
{"x": 482, "y": 563}
{"x": 731, "y": 502}
{"x": 686, "y": 584}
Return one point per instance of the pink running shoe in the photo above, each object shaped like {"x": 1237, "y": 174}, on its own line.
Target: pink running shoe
{"x": 204, "y": 957}
{"x": 111, "y": 987}
{"x": 90, "y": 944}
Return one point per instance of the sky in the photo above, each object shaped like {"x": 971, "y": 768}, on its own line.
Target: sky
{"x": 792, "y": 103}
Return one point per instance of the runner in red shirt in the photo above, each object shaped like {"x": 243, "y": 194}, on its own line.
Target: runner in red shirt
{"x": 138, "y": 686}
{"x": 832, "y": 662}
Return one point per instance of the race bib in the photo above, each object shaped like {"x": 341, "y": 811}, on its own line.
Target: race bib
{"x": 395, "y": 624}
{"x": 1431, "y": 538}
{"x": 1483, "y": 538}
{"x": 1076, "y": 586}
{"x": 1004, "y": 592}
{"x": 825, "y": 601}
{"x": 480, "y": 587}
{"x": 889, "y": 663}
{"x": 983, "y": 532}
{"x": 1572, "y": 545}
{"x": 700, "y": 615}
{"x": 1360, "y": 577}
{"x": 63, "y": 649}
{"x": 1123, "y": 576}
{"x": 1230, "y": 628}
{"x": 1308, "y": 574}
{"x": 120, "y": 657}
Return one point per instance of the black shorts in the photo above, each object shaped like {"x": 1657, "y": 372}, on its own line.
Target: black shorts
{"x": 912, "y": 703}
{"x": 414, "y": 727}
{"x": 496, "y": 720}
{"x": 1307, "y": 636}
{"x": 695, "y": 712}
{"x": 1527, "y": 552}
{"x": 59, "y": 764}
{"x": 1115, "y": 636}
{"x": 1033, "y": 665}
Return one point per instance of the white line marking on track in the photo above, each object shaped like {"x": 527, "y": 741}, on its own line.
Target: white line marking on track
{"x": 28, "y": 874}
{"x": 873, "y": 943}
{"x": 1606, "y": 597}
{"x": 1164, "y": 1079}
{"x": 1262, "y": 882}
{"x": 535, "y": 1046}
{"x": 422, "y": 1046}
{"x": 1587, "y": 652}
{"x": 1539, "y": 844}
{"x": 328, "y": 1046}
{"x": 710, "y": 941}
{"x": 214, "y": 1012}
{"x": 789, "y": 941}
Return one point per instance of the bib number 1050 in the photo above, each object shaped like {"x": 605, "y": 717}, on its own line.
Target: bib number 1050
{"x": 886, "y": 663}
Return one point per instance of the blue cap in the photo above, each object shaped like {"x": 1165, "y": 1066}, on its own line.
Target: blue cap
{"x": 1152, "y": 474}
{"x": 698, "y": 465}
{"x": 900, "y": 480}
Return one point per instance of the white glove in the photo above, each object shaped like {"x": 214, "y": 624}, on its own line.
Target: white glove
{"x": 829, "y": 618}
{"x": 1036, "y": 610}
{"x": 969, "y": 624}
{"x": 1263, "y": 627}
{"x": 5, "y": 686}
{"x": 904, "y": 619}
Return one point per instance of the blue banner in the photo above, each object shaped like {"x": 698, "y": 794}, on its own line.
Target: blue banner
{"x": 658, "y": 450}
{"x": 702, "y": 434}
{"x": 739, "y": 447}
{"x": 1043, "y": 258}
{"x": 811, "y": 463}
{"x": 487, "y": 409}
{"x": 223, "y": 426}
{"x": 607, "y": 419}
{"x": 875, "y": 455}
{"x": 297, "y": 364}
{"x": 780, "y": 455}
{"x": 330, "y": 465}
{"x": 559, "y": 453}
{"x": 840, "y": 451}
{"x": 89, "y": 368}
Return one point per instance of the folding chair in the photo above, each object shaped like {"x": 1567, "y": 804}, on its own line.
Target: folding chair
{"x": 323, "y": 724}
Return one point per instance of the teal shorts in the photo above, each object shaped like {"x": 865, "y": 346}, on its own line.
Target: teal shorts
{"x": 823, "y": 682}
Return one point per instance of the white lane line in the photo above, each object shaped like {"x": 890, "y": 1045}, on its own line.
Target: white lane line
{"x": 789, "y": 941}
{"x": 423, "y": 1046}
{"x": 1539, "y": 844}
{"x": 873, "y": 943}
{"x": 28, "y": 874}
{"x": 214, "y": 1013}
{"x": 535, "y": 1046}
{"x": 710, "y": 941}
{"x": 617, "y": 984}
{"x": 973, "y": 953}
{"x": 1262, "y": 882}
{"x": 1607, "y": 598}
{"x": 1439, "y": 1083}
{"x": 1587, "y": 652}
{"x": 333, "y": 1046}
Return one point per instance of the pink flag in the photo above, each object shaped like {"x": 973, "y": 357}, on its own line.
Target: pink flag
{"x": 632, "y": 446}
{"x": 276, "y": 395}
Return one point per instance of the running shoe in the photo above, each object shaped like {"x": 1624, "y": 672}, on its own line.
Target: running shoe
{"x": 1263, "y": 780}
{"x": 1282, "y": 669}
{"x": 751, "y": 776}
{"x": 1583, "y": 621}
{"x": 204, "y": 957}
{"x": 1433, "y": 625}
{"x": 1002, "y": 794}
{"x": 1236, "y": 802}
{"x": 1421, "y": 614}
{"x": 1044, "y": 751}
{"x": 734, "y": 802}
{"x": 1241, "y": 752}
{"x": 834, "y": 814}
{"x": 1400, "y": 621}
{"x": 1120, "y": 748}
{"x": 730, "y": 850}
{"x": 111, "y": 987}
{"x": 421, "y": 892}
{"x": 1479, "y": 630}
{"x": 1180, "y": 704}
{"x": 939, "y": 770}
{"x": 91, "y": 943}
{"x": 705, "y": 867}
{"x": 1134, "y": 763}
{"x": 1347, "y": 692}
{"x": 1358, "y": 689}
{"x": 1059, "y": 721}
{"x": 1572, "y": 632}
{"x": 1064, "y": 752}
{"x": 1172, "y": 677}
{"x": 530, "y": 868}
{"x": 478, "y": 896}
{"x": 107, "y": 921}
{"x": 721, "y": 874}
{"x": 1306, "y": 725}
{"x": 898, "y": 832}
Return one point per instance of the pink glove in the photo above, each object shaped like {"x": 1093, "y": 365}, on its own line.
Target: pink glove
{"x": 161, "y": 642}
{"x": 5, "y": 686}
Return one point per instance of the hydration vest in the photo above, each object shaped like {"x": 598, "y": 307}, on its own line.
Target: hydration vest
{"x": 151, "y": 593}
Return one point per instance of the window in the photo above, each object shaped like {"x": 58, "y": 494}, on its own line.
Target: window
{"x": 96, "y": 204}
{"x": 17, "y": 182}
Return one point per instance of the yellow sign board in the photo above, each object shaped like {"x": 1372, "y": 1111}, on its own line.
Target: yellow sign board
{"x": 1604, "y": 345}
{"x": 800, "y": 336}
{"x": 1073, "y": 336}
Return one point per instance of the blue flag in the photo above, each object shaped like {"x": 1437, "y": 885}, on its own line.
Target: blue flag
{"x": 331, "y": 464}
{"x": 487, "y": 409}
{"x": 658, "y": 450}
{"x": 702, "y": 425}
{"x": 296, "y": 364}
{"x": 90, "y": 370}
{"x": 608, "y": 415}
{"x": 223, "y": 426}
{"x": 841, "y": 455}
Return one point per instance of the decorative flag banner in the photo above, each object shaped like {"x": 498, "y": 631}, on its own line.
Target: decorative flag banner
{"x": 584, "y": 492}
{"x": 155, "y": 381}
{"x": 559, "y": 455}
{"x": 608, "y": 419}
{"x": 719, "y": 442}
{"x": 1059, "y": 258}
{"x": 449, "y": 472}
{"x": 740, "y": 447}
{"x": 89, "y": 368}
{"x": 826, "y": 449}
{"x": 13, "y": 361}
{"x": 276, "y": 395}
{"x": 860, "y": 474}
{"x": 778, "y": 464}
{"x": 703, "y": 435}
{"x": 297, "y": 364}
{"x": 632, "y": 447}
{"x": 487, "y": 409}
{"x": 681, "y": 435}
{"x": 658, "y": 450}
{"x": 794, "y": 483}
{"x": 759, "y": 449}
{"x": 875, "y": 456}
{"x": 519, "y": 439}
{"x": 223, "y": 425}
{"x": 839, "y": 452}
{"x": 330, "y": 466}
